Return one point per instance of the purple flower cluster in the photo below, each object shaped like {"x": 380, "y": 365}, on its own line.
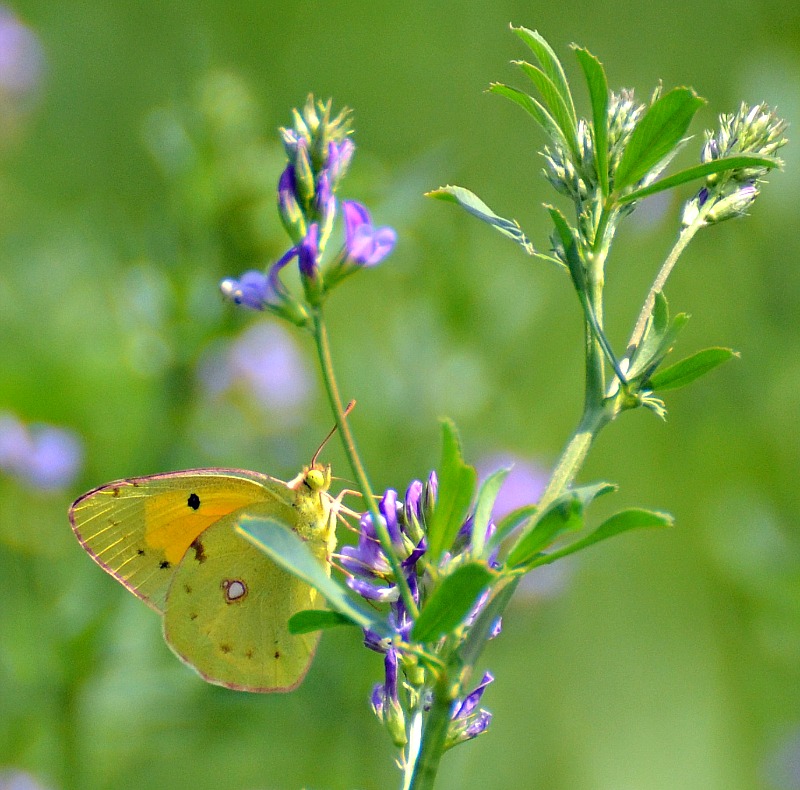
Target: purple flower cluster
{"x": 370, "y": 575}
{"x": 319, "y": 151}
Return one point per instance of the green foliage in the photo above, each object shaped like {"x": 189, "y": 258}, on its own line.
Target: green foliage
{"x": 451, "y": 601}
{"x": 687, "y": 370}
{"x": 598, "y": 93}
{"x": 656, "y": 135}
{"x": 565, "y": 514}
{"x": 457, "y": 482}
{"x": 317, "y": 620}
{"x": 624, "y": 521}
{"x": 289, "y": 552}
{"x": 475, "y": 206}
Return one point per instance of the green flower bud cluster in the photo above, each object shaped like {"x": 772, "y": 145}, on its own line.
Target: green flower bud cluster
{"x": 753, "y": 130}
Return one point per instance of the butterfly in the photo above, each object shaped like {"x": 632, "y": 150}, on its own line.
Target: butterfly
{"x": 170, "y": 539}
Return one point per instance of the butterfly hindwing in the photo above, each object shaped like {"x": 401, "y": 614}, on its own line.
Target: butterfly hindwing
{"x": 139, "y": 529}
{"x": 228, "y": 607}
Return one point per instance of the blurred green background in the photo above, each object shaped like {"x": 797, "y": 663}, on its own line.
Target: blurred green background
{"x": 138, "y": 167}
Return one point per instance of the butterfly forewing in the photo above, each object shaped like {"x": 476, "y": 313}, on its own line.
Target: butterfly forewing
{"x": 139, "y": 529}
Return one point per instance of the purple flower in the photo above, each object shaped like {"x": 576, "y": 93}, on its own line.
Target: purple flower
{"x": 18, "y": 780}
{"x": 258, "y": 291}
{"x": 291, "y": 214}
{"x": 21, "y": 57}
{"x": 265, "y": 362}
{"x": 466, "y": 723}
{"x": 44, "y": 456}
{"x": 339, "y": 156}
{"x": 524, "y": 484}
{"x": 386, "y": 703}
{"x": 251, "y": 290}
{"x": 308, "y": 253}
{"x": 365, "y": 244}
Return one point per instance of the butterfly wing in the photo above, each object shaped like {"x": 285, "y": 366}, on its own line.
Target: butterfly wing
{"x": 139, "y": 529}
{"x": 228, "y": 607}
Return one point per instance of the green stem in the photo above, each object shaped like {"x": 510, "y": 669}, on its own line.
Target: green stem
{"x": 686, "y": 235}
{"x": 434, "y": 735}
{"x": 320, "y": 333}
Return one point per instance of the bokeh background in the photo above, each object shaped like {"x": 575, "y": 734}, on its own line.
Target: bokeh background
{"x": 138, "y": 161}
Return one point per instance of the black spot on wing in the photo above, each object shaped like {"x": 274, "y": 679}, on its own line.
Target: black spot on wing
{"x": 193, "y": 501}
{"x": 165, "y": 564}
{"x": 199, "y": 550}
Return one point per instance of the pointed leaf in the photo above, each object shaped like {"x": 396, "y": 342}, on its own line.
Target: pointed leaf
{"x": 574, "y": 263}
{"x": 316, "y": 620}
{"x": 654, "y": 352}
{"x": 598, "y": 92}
{"x": 687, "y": 370}
{"x": 657, "y": 133}
{"x": 625, "y": 521}
{"x": 475, "y": 206}
{"x": 550, "y": 64}
{"x": 509, "y": 523}
{"x": 457, "y": 482}
{"x": 557, "y": 107}
{"x": 563, "y": 515}
{"x": 534, "y": 108}
{"x": 699, "y": 171}
{"x": 451, "y": 602}
{"x": 291, "y": 553}
{"x": 487, "y": 494}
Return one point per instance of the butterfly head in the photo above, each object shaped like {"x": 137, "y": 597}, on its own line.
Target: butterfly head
{"x": 316, "y": 477}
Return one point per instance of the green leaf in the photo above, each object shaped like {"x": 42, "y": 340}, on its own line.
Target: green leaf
{"x": 451, "y": 601}
{"x": 475, "y": 206}
{"x": 291, "y": 553}
{"x": 687, "y": 370}
{"x": 535, "y": 109}
{"x": 654, "y": 350}
{"x": 699, "y": 171}
{"x": 598, "y": 92}
{"x": 316, "y": 620}
{"x": 557, "y": 107}
{"x": 457, "y": 482}
{"x": 509, "y": 523}
{"x": 656, "y": 135}
{"x": 487, "y": 494}
{"x": 550, "y": 64}
{"x": 574, "y": 263}
{"x": 625, "y": 521}
{"x": 563, "y": 515}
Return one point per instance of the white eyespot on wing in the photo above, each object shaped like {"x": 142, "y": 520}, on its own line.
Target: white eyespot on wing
{"x": 234, "y": 589}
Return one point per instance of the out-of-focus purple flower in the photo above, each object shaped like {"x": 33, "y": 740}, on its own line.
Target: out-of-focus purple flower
{"x": 258, "y": 291}
{"x": 365, "y": 244}
{"x": 265, "y": 361}
{"x": 18, "y": 780}
{"x": 524, "y": 484}
{"x": 308, "y": 253}
{"x": 251, "y": 290}
{"x": 326, "y": 208}
{"x": 291, "y": 214}
{"x": 386, "y": 703}
{"x": 339, "y": 156}
{"x": 44, "y": 456}
{"x": 21, "y": 56}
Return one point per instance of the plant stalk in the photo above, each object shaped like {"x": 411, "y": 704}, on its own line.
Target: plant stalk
{"x": 320, "y": 333}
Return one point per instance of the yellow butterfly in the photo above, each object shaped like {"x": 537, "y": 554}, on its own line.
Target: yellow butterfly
{"x": 170, "y": 539}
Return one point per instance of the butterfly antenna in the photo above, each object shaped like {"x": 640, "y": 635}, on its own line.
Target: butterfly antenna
{"x": 350, "y": 407}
